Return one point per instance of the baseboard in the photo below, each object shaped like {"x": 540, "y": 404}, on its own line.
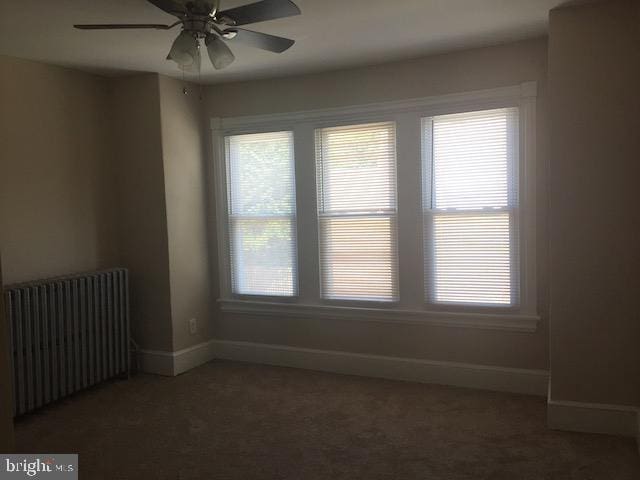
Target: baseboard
{"x": 532, "y": 382}
{"x": 561, "y": 415}
{"x": 515, "y": 380}
{"x": 593, "y": 418}
{"x": 174, "y": 363}
{"x": 155, "y": 361}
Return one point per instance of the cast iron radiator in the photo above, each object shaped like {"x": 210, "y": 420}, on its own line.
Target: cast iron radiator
{"x": 67, "y": 333}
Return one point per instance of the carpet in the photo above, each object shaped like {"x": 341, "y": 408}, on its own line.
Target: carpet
{"x": 231, "y": 420}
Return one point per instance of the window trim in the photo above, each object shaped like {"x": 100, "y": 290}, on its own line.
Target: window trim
{"x": 404, "y": 112}
{"x": 512, "y": 322}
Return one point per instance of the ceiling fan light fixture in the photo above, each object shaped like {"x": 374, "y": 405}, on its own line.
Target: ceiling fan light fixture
{"x": 184, "y": 50}
{"x": 220, "y": 55}
{"x": 193, "y": 67}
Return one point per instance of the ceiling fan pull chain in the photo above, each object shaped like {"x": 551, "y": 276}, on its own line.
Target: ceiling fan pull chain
{"x": 184, "y": 84}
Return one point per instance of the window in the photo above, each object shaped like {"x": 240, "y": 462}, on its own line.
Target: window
{"x": 356, "y": 181}
{"x": 470, "y": 198}
{"x": 418, "y": 211}
{"x": 262, "y": 213}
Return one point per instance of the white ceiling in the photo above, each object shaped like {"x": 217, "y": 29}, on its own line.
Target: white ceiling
{"x": 329, "y": 34}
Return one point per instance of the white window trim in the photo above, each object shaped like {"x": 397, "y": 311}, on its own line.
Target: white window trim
{"x": 407, "y": 114}
{"x": 485, "y": 321}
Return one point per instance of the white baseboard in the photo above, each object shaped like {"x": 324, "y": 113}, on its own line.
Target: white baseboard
{"x": 533, "y": 382}
{"x": 515, "y": 380}
{"x": 155, "y": 361}
{"x": 561, "y": 415}
{"x": 175, "y": 363}
{"x": 593, "y": 418}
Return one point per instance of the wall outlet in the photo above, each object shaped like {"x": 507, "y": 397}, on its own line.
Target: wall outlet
{"x": 193, "y": 326}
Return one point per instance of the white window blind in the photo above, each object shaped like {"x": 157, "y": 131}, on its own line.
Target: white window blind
{"x": 262, "y": 213}
{"x": 356, "y": 179}
{"x": 471, "y": 207}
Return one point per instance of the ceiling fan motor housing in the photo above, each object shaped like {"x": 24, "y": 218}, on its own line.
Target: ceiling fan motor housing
{"x": 199, "y": 27}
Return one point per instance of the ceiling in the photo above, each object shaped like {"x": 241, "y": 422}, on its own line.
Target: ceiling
{"x": 329, "y": 34}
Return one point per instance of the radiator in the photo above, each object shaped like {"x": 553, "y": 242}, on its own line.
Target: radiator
{"x": 67, "y": 334}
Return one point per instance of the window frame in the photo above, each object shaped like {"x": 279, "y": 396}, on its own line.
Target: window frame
{"x": 515, "y": 225}
{"x": 411, "y": 307}
{"x": 393, "y": 215}
{"x": 225, "y": 240}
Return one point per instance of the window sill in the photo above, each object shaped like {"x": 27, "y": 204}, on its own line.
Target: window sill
{"x": 514, "y": 322}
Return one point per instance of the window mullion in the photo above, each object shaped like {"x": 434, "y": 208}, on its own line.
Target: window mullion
{"x": 307, "y": 220}
{"x": 409, "y": 214}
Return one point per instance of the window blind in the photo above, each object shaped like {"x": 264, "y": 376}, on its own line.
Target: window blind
{"x": 262, "y": 213}
{"x": 471, "y": 207}
{"x": 356, "y": 180}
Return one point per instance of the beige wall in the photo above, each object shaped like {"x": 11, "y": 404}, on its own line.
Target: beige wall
{"x": 159, "y": 143}
{"x": 185, "y": 182}
{"x": 475, "y": 69}
{"x": 594, "y": 72}
{"x": 143, "y": 240}
{"x": 57, "y": 206}
{"x": 82, "y": 183}
{"x": 484, "y": 68}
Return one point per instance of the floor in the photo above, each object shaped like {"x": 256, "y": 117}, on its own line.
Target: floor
{"x": 227, "y": 420}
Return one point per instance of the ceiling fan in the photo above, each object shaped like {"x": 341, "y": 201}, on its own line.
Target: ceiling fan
{"x": 203, "y": 20}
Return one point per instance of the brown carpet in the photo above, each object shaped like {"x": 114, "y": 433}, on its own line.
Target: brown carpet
{"x": 229, "y": 420}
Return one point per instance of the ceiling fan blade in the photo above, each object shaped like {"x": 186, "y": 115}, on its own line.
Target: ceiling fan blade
{"x": 221, "y": 56}
{"x": 111, "y": 26}
{"x": 180, "y": 8}
{"x": 261, "y": 40}
{"x": 260, "y": 11}
{"x": 173, "y": 7}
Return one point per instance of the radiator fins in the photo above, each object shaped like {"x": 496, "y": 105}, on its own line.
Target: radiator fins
{"x": 67, "y": 334}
